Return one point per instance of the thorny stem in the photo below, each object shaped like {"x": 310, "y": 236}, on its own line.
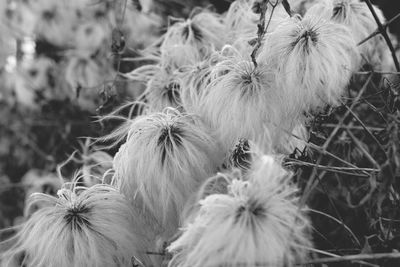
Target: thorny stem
{"x": 383, "y": 31}
{"x": 376, "y": 32}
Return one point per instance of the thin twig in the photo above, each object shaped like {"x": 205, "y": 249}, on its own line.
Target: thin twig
{"x": 345, "y": 170}
{"x": 310, "y": 183}
{"x": 383, "y": 31}
{"x": 331, "y": 125}
{"x": 365, "y": 152}
{"x": 339, "y": 222}
{"x": 327, "y": 153}
{"x": 377, "y": 72}
{"x": 335, "y": 256}
{"x": 333, "y": 133}
{"x": 366, "y": 129}
{"x": 262, "y": 28}
{"x": 376, "y": 32}
{"x": 377, "y": 256}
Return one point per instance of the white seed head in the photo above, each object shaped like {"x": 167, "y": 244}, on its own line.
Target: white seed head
{"x": 244, "y": 102}
{"x": 356, "y": 15}
{"x": 314, "y": 59}
{"x": 163, "y": 162}
{"x": 163, "y": 90}
{"x": 82, "y": 227}
{"x": 191, "y": 41}
{"x": 257, "y": 223}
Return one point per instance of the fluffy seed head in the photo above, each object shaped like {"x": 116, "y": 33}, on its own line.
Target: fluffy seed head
{"x": 243, "y": 102}
{"x": 82, "y": 227}
{"x": 89, "y": 37}
{"x": 242, "y": 18}
{"x": 191, "y": 41}
{"x": 194, "y": 82}
{"x": 257, "y": 223}
{"x": 54, "y": 21}
{"x": 163, "y": 90}
{"x": 356, "y": 15}
{"x": 301, "y": 6}
{"x": 314, "y": 61}
{"x": 165, "y": 158}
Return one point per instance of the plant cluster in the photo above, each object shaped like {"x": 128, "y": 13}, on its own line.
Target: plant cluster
{"x": 267, "y": 135}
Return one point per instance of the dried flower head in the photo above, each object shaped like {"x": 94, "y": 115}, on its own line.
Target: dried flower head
{"x": 356, "y": 15}
{"x": 241, "y": 22}
{"x": 164, "y": 160}
{"x": 85, "y": 75}
{"x": 195, "y": 80}
{"x": 243, "y": 102}
{"x": 301, "y": 6}
{"x": 40, "y": 75}
{"x": 82, "y": 227}
{"x": 146, "y": 27}
{"x": 257, "y": 223}
{"x": 54, "y": 21}
{"x": 191, "y": 41}
{"x": 163, "y": 90}
{"x": 89, "y": 37}
{"x": 314, "y": 59}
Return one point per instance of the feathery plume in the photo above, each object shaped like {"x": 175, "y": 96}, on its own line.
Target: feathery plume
{"x": 53, "y": 21}
{"x": 82, "y": 227}
{"x": 18, "y": 18}
{"x": 301, "y": 6}
{"x": 217, "y": 184}
{"x": 241, "y": 22}
{"x": 314, "y": 59}
{"x": 163, "y": 162}
{"x": 191, "y": 41}
{"x": 194, "y": 82}
{"x": 85, "y": 76}
{"x": 257, "y": 223}
{"x": 357, "y": 16}
{"x": 243, "y": 102}
{"x": 89, "y": 37}
{"x": 146, "y": 30}
{"x": 163, "y": 90}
